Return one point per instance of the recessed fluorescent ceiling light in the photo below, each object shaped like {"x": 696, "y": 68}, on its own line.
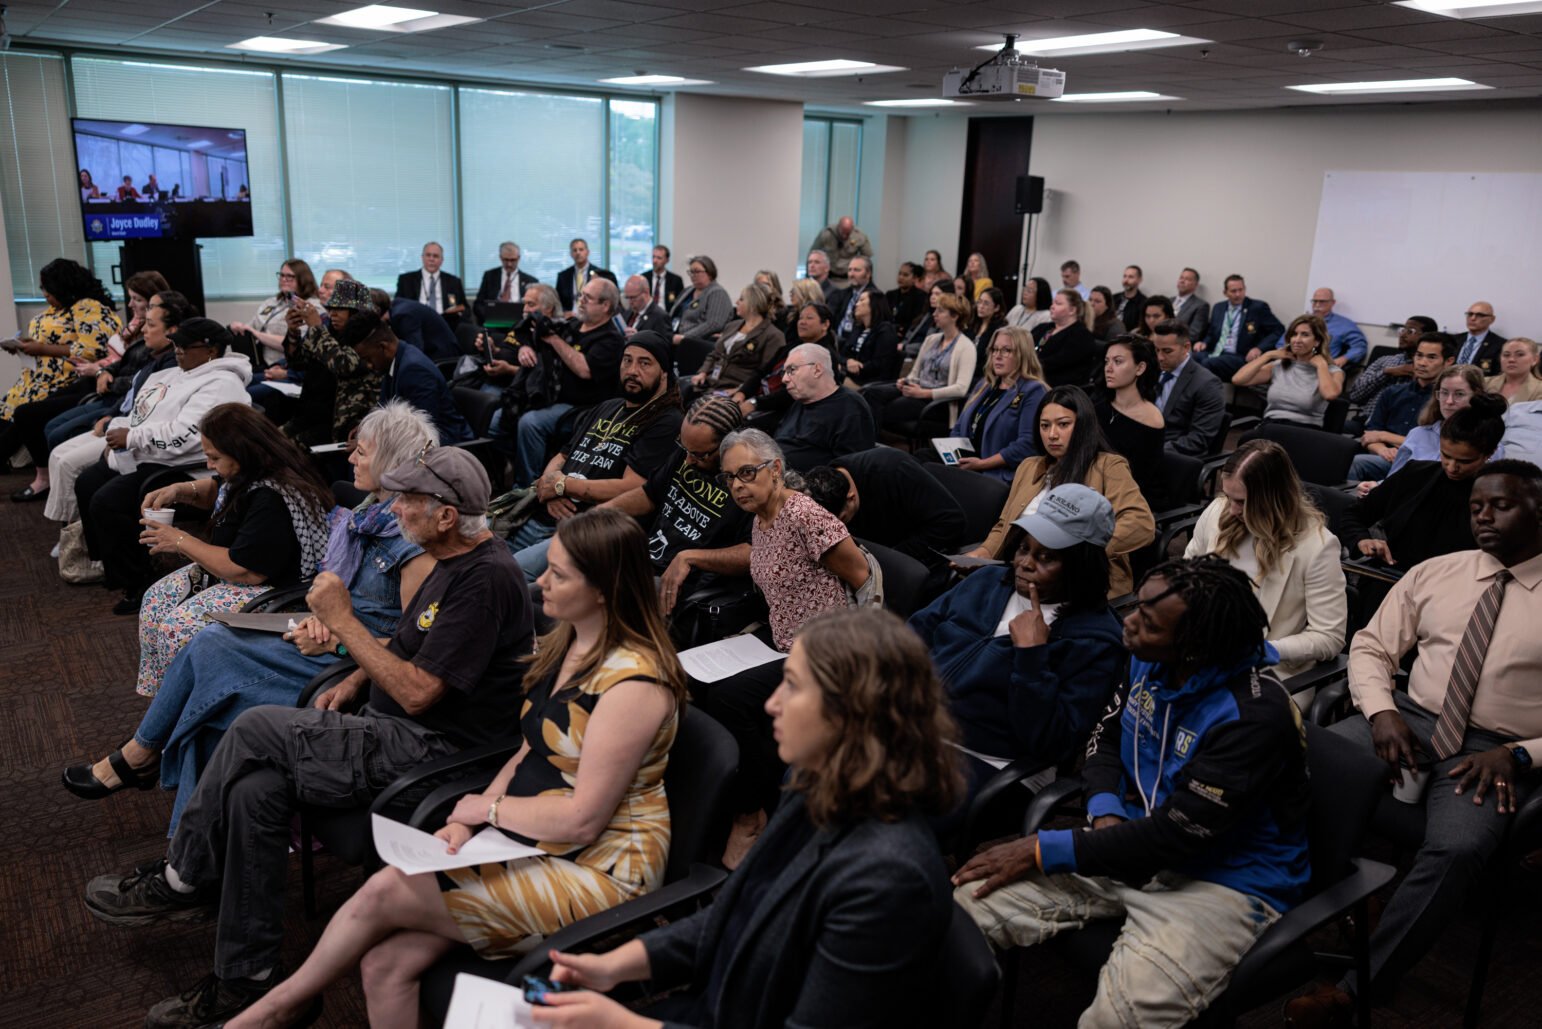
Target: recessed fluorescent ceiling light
{"x": 275, "y": 45}
{"x": 1474, "y": 8}
{"x": 135, "y": 129}
{"x": 1112, "y": 98}
{"x": 394, "y": 19}
{"x": 916, "y": 102}
{"x": 656, "y": 80}
{"x": 824, "y": 69}
{"x": 1101, "y": 42}
{"x": 1392, "y": 86}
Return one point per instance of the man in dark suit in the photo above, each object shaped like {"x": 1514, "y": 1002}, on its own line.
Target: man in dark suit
{"x": 1193, "y": 405}
{"x": 438, "y": 289}
{"x": 1241, "y": 328}
{"x": 572, "y": 279}
{"x": 843, "y": 303}
{"x": 1479, "y": 345}
{"x": 663, "y": 285}
{"x": 1130, "y": 305}
{"x": 1188, "y": 308}
{"x": 505, "y": 284}
{"x": 639, "y": 311}
{"x": 406, "y": 372}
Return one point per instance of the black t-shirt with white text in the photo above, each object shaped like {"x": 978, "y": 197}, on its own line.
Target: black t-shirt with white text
{"x": 610, "y": 439}
{"x": 691, "y": 512}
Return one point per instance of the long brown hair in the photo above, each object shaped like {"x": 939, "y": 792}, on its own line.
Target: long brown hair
{"x": 1471, "y": 374}
{"x": 893, "y": 752}
{"x": 1277, "y": 512}
{"x": 253, "y": 441}
{"x": 609, "y": 550}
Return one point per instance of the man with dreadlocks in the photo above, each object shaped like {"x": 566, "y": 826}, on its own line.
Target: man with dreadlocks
{"x": 1197, "y": 795}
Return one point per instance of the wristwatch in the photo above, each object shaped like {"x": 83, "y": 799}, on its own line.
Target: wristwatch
{"x": 1522, "y": 758}
{"x": 561, "y": 487}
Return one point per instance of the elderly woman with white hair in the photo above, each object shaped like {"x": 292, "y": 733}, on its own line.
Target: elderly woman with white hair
{"x": 222, "y": 672}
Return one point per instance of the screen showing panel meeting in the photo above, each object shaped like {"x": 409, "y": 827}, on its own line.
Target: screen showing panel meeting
{"x": 140, "y": 180}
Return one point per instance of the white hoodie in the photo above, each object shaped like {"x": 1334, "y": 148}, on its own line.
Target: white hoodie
{"x": 169, "y": 407}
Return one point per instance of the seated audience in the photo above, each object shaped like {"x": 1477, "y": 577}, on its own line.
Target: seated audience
{"x": 1196, "y": 881}
{"x": 748, "y": 347}
{"x": 1480, "y": 345}
{"x": 75, "y": 329}
{"x": 1032, "y": 308}
{"x": 1397, "y": 408}
{"x": 1071, "y": 278}
{"x": 1420, "y": 511}
{"x": 932, "y": 271}
{"x": 998, "y": 418}
{"x": 1392, "y": 368}
{"x": 699, "y": 315}
{"x": 1127, "y": 412}
{"x": 843, "y": 243}
{"x": 843, "y": 302}
{"x": 262, "y": 338}
{"x": 778, "y": 315}
{"x": 1156, "y": 310}
{"x": 221, "y": 672}
{"x": 1130, "y": 302}
{"x": 990, "y": 314}
{"x": 1468, "y": 720}
{"x": 505, "y": 284}
{"x": 1523, "y": 432}
{"x": 340, "y": 388}
{"x": 1106, "y": 323}
{"x": 907, "y": 301}
{"x": 1188, "y": 308}
{"x": 433, "y": 287}
{"x": 926, "y": 325}
{"x": 859, "y": 718}
{"x": 1454, "y": 389}
{"x": 406, "y": 373}
{"x": 1266, "y": 527}
{"x": 824, "y": 421}
{"x": 161, "y": 431}
{"x": 617, "y": 446}
{"x": 430, "y": 691}
{"x": 639, "y": 311}
{"x": 976, "y": 277}
{"x": 885, "y": 497}
{"x": 1067, "y": 349}
{"x": 696, "y": 531}
{"x": 1346, "y": 343}
{"x": 804, "y": 560}
{"x": 1032, "y": 652}
{"x": 1518, "y": 380}
{"x": 872, "y": 351}
{"x": 1191, "y": 399}
{"x": 1241, "y": 329}
{"x": 1300, "y": 375}
{"x": 811, "y": 325}
{"x": 1071, "y": 449}
{"x": 942, "y": 371}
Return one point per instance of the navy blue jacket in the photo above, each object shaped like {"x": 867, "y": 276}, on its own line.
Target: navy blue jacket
{"x": 1257, "y": 327}
{"x": 1008, "y": 427}
{"x": 1020, "y": 702}
{"x": 416, "y": 379}
{"x": 1211, "y": 779}
{"x": 423, "y": 327}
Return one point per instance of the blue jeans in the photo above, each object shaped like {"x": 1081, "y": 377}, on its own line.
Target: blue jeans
{"x": 535, "y": 429}
{"x": 1368, "y": 466}
{"x": 75, "y": 421}
{"x": 1222, "y": 365}
{"x": 529, "y": 545}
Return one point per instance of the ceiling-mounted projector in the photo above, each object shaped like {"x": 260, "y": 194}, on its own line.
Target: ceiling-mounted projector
{"x": 1007, "y": 75}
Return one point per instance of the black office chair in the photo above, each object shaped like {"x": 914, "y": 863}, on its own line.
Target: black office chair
{"x": 931, "y": 422}
{"x": 278, "y": 600}
{"x": 1318, "y": 456}
{"x": 904, "y": 580}
{"x": 981, "y": 496}
{"x": 466, "y": 336}
{"x": 477, "y": 408}
{"x": 1346, "y": 784}
{"x": 697, "y": 781}
{"x": 967, "y": 975}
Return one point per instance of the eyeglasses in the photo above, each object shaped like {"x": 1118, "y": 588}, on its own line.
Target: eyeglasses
{"x": 286, "y": 275}
{"x": 700, "y": 455}
{"x": 1479, "y": 314}
{"x": 788, "y": 369}
{"x": 1003, "y": 350}
{"x": 749, "y": 473}
{"x": 1446, "y": 394}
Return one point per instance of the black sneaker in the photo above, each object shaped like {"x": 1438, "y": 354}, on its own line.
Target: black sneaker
{"x": 143, "y": 896}
{"x": 211, "y": 1002}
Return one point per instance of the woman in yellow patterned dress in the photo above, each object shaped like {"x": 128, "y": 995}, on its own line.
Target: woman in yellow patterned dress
{"x": 76, "y": 327}
{"x": 600, "y": 707}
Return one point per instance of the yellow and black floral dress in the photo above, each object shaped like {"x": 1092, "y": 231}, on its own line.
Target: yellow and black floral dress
{"x": 84, "y": 328}
{"x": 499, "y": 907}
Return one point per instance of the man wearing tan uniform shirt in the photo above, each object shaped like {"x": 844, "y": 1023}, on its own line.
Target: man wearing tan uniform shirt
{"x": 1472, "y": 716}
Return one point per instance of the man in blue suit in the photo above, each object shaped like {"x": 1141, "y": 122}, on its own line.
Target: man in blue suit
{"x": 407, "y": 372}
{"x": 1241, "y": 328}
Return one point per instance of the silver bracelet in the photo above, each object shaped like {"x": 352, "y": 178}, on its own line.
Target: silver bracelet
{"x": 492, "y": 811}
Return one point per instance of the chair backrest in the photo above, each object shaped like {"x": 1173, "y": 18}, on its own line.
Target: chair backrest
{"x": 702, "y": 765}
{"x": 347, "y": 494}
{"x": 1347, "y": 783}
{"x": 1218, "y": 443}
{"x": 904, "y": 579}
{"x": 1332, "y": 503}
{"x": 466, "y": 333}
{"x": 476, "y": 407}
{"x": 981, "y": 497}
{"x": 967, "y": 975}
{"x": 1180, "y": 473}
{"x": 1333, "y": 417}
{"x": 1319, "y": 456}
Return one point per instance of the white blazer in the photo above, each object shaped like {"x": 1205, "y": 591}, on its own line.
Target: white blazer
{"x": 1304, "y": 596}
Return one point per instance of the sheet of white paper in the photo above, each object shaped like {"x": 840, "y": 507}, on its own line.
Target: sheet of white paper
{"x": 479, "y": 1003}
{"x": 951, "y": 448}
{"x": 415, "y": 851}
{"x": 289, "y": 389}
{"x": 329, "y": 448}
{"x": 713, "y": 661}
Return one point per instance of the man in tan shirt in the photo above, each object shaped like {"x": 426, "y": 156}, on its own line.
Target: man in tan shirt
{"x": 1479, "y": 768}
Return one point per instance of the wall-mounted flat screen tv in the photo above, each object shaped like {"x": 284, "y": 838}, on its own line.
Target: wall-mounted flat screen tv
{"x": 142, "y": 180}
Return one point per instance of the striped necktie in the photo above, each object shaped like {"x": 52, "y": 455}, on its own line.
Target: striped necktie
{"x": 1451, "y": 727}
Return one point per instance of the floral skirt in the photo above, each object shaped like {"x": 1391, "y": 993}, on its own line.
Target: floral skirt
{"x": 172, "y": 612}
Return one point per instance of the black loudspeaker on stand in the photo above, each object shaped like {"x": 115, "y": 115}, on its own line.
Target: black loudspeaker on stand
{"x": 176, "y": 259}
{"x": 1030, "y": 194}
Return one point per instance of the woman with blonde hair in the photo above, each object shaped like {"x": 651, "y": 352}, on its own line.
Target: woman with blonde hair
{"x": 779, "y": 311}
{"x": 1300, "y": 374}
{"x": 748, "y": 348}
{"x": 999, "y": 416}
{"x": 1518, "y": 381}
{"x": 601, "y": 704}
{"x": 976, "y": 276}
{"x": 1264, "y": 525}
{"x": 802, "y": 293}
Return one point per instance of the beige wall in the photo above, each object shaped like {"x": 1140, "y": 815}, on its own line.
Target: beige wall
{"x": 932, "y": 162}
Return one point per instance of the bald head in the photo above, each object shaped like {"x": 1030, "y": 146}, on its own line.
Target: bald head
{"x": 635, "y": 294}
{"x": 844, "y": 226}
{"x": 1322, "y": 302}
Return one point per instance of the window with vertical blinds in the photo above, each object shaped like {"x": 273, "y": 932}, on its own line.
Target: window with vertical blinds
{"x": 37, "y": 170}
{"x": 832, "y": 175}
{"x": 633, "y": 158}
{"x": 227, "y": 98}
{"x": 371, "y": 175}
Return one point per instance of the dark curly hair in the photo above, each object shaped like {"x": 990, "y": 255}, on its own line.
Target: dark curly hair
{"x": 69, "y": 283}
{"x": 1224, "y": 624}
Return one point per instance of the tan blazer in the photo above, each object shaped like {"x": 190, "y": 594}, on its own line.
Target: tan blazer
{"x": 751, "y": 357}
{"x": 1109, "y": 475}
{"x": 1303, "y": 597}
{"x": 1530, "y": 390}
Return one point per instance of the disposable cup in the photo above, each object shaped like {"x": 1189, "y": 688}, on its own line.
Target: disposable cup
{"x": 164, "y": 515}
{"x": 1415, "y": 782}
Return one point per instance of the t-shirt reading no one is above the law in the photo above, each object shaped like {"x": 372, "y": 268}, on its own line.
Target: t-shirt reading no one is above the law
{"x": 691, "y": 512}
{"x": 470, "y": 624}
{"x": 610, "y": 439}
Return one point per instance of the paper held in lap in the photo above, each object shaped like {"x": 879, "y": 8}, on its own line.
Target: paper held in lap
{"x": 257, "y": 622}
{"x": 415, "y": 851}
{"x": 479, "y": 1003}
{"x": 713, "y": 661}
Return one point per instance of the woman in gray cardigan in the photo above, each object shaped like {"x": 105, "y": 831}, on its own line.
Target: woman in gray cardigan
{"x": 838, "y": 911}
{"x": 699, "y": 315}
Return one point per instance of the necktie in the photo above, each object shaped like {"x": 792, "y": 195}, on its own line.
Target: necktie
{"x": 433, "y": 292}
{"x": 1468, "y": 350}
{"x": 658, "y": 288}
{"x": 1451, "y": 727}
{"x": 1166, "y": 381}
{"x": 508, "y": 287}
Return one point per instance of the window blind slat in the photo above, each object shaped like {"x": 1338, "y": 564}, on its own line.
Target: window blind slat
{"x": 37, "y": 170}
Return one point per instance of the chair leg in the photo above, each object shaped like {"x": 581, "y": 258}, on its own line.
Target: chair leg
{"x": 1362, "y": 951}
{"x": 307, "y": 867}
{"x": 1009, "y": 976}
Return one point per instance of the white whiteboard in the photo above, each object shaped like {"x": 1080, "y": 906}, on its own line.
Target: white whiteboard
{"x": 1394, "y": 244}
